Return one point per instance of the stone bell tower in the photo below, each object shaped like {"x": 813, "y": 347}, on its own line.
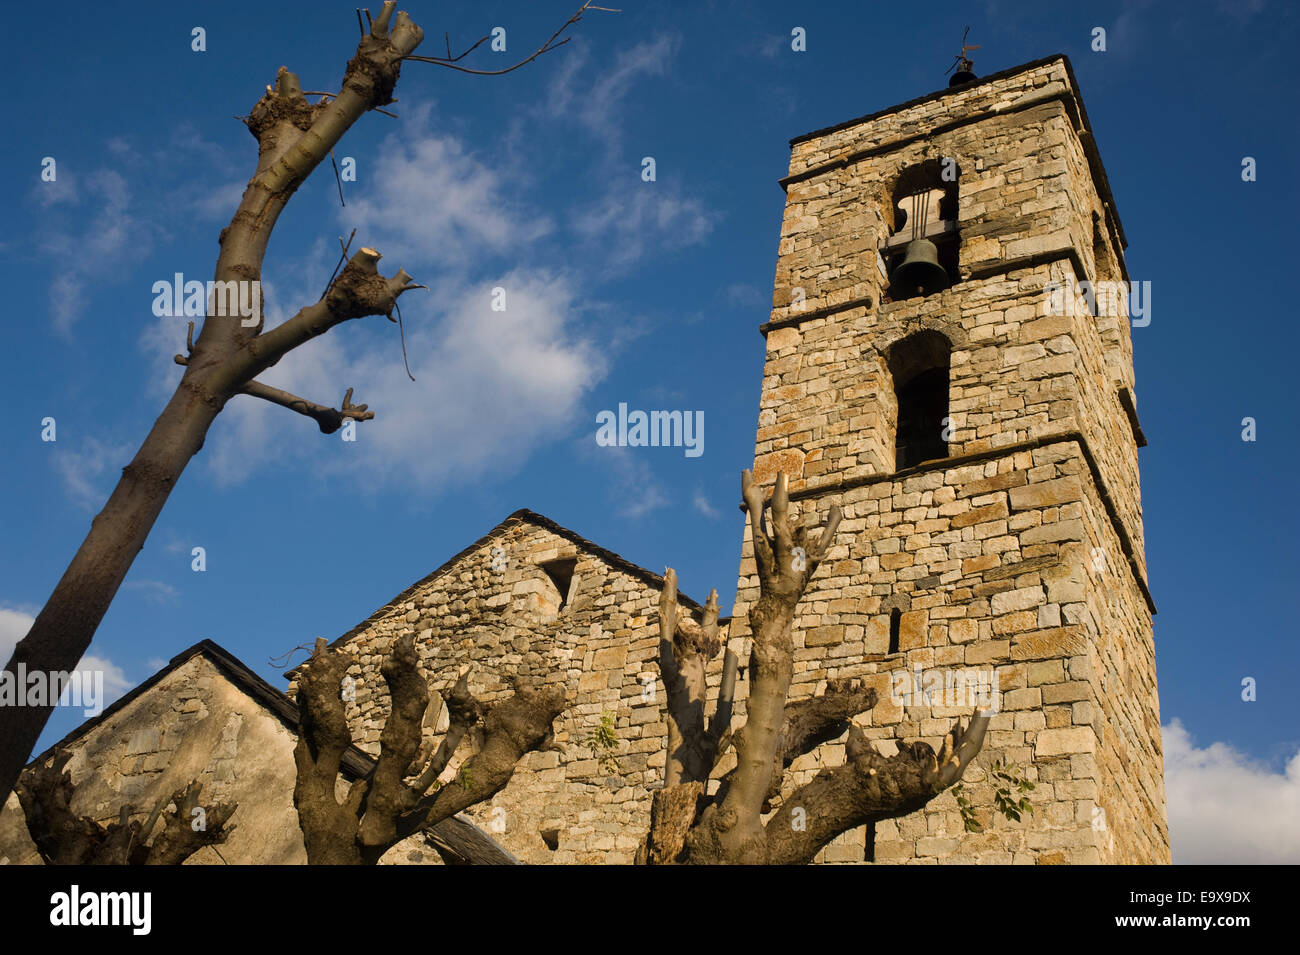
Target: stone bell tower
{"x": 936, "y": 366}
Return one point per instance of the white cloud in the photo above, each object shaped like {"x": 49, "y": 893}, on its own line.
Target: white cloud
{"x": 115, "y": 681}
{"x": 89, "y": 473}
{"x": 14, "y": 624}
{"x": 490, "y": 387}
{"x": 430, "y": 202}
{"x": 744, "y": 295}
{"x": 1226, "y": 808}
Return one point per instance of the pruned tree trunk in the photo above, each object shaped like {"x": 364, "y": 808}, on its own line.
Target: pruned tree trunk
{"x": 63, "y": 837}
{"x": 689, "y": 826}
{"x": 293, "y": 137}
{"x": 402, "y": 795}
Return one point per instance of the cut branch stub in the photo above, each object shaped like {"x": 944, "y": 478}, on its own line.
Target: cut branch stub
{"x": 868, "y": 787}
{"x": 809, "y": 723}
{"x": 512, "y": 728}
{"x": 64, "y": 837}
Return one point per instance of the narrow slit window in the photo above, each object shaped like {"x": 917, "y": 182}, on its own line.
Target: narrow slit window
{"x": 895, "y": 622}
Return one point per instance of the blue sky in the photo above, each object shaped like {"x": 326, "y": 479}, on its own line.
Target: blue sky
{"x": 618, "y": 290}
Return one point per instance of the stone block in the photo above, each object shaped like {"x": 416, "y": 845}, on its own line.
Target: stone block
{"x": 1064, "y": 741}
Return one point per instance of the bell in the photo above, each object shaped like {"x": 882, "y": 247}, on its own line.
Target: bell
{"x": 965, "y": 67}
{"x": 920, "y": 272}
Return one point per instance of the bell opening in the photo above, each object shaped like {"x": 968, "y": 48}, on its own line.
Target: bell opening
{"x": 919, "y": 273}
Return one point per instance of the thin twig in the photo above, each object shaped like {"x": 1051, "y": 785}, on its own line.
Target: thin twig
{"x": 285, "y": 656}
{"x": 402, "y": 331}
{"x": 450, "y": 62}
{"x": 452, "y": 59}
{"x": 337, "y": 179}
{"x": 342, "y": 258}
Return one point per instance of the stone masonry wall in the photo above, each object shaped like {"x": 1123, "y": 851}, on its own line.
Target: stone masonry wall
{"x": 1016, "y": 374}
{"x": 991, "y": 564}
{"x": 496, "y": 611}
{"x": 194, "y": 724}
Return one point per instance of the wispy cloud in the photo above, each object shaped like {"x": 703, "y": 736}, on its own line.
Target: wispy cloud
{"x": 1226, "y": 808}
{"x": 633, "y": 218}
{"x": 701, "y": 503}
{"x": 625, "y": 218}
{"x": 95, "y": 230}
{"x": 596, "y": 99}
{"x": 744, "y": 295}
{"x": 1241, "y": 9}
{"x": 627, "y": 476}
{"x": 97, "y": 240}
{"x": 90, "y": 472}
{"x": 155, "y": 591}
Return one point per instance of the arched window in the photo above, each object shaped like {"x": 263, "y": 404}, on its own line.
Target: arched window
{"x": 919, "y": 366}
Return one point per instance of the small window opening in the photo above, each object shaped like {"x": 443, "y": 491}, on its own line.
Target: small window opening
{"x": 895, "y": 622}
{"x": 552, "y": 838}
{"x": 869, "y": 850}
{"x": 561, "y": 574}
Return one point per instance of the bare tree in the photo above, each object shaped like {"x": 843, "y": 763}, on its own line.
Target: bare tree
{"x": 687, "y": 825}
{"x": 402, "y": 795}
{"x": 293, "y": 136}
{"x": 64, "y": 837}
